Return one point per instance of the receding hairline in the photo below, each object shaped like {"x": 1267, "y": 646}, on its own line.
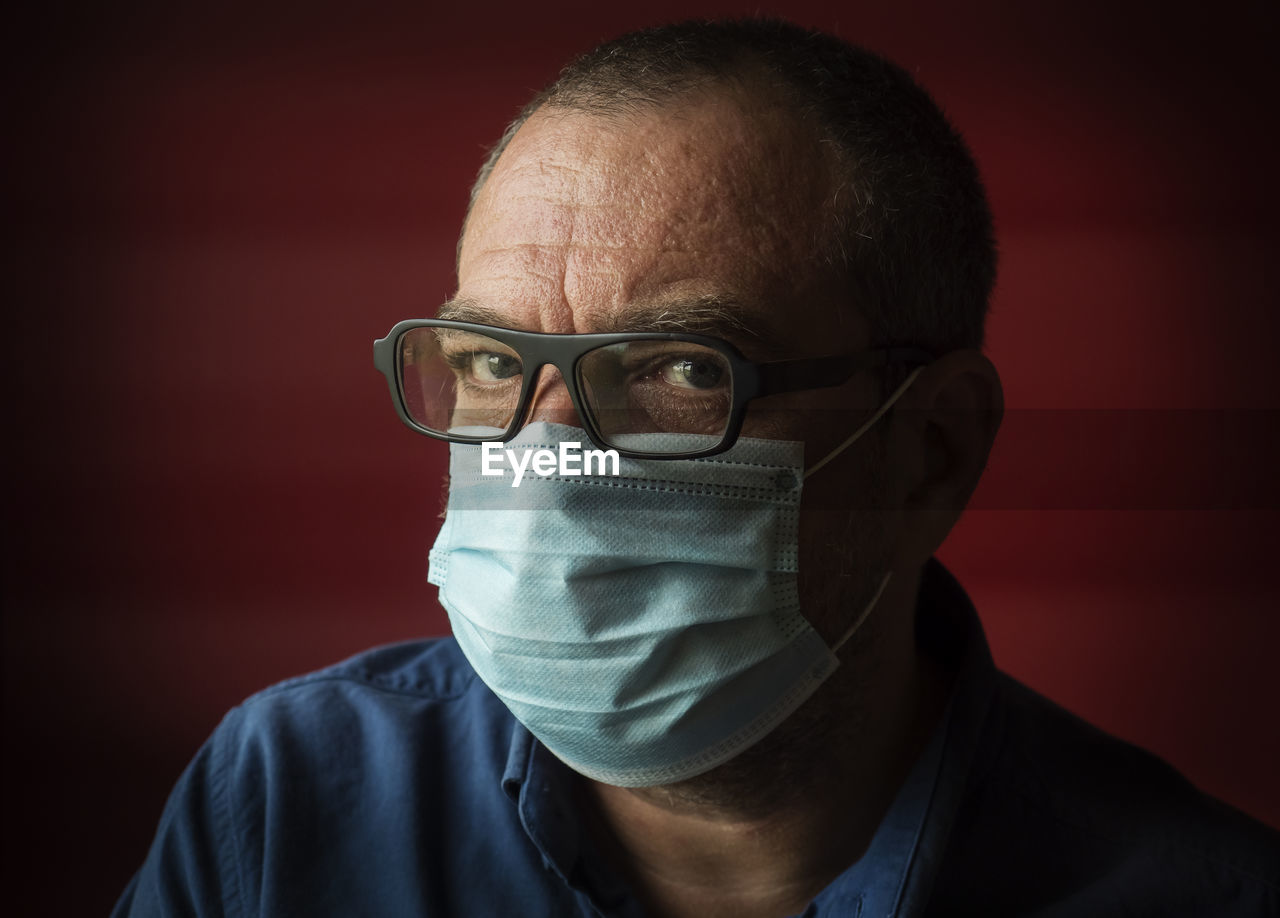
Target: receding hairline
{"x": 913, "y": 235}
{"x": 750, "y": 87}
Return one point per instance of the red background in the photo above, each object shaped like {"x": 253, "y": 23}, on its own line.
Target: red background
{"x": 217, "y": 211}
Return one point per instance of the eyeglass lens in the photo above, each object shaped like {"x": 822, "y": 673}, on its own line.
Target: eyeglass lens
{"x": 642, "y": 395}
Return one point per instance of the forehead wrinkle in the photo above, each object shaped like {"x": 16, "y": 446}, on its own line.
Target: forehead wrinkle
{"x": 538, "y": 193}
{"x": 610, "y": 214}
{"x": 579, "y": 228}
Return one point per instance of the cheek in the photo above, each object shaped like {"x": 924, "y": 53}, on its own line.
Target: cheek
{"x": 843, "y": 556}
{"x": 789, "y": 416}
{"x": 773, "y": 426}
{"x": 821, "y": 418}
{"x": 849, "y": 524}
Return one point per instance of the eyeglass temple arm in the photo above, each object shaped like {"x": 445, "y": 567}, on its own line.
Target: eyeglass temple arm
{"x": 825, "y": 372}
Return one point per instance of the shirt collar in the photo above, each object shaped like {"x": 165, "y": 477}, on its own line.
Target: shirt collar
{"x": 541, "y": 787}
{"x": 895, "y": 876}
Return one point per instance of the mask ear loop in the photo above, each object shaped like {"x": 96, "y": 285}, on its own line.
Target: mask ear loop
{"x": 865, "y": 613}
{"x": 880, "y": 412}
{"x": 853, "y": 438}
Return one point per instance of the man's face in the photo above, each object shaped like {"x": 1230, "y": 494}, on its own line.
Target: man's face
{"x": 590, "y": 223}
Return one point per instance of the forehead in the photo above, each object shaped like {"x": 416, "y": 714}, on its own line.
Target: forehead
{"x": 587, "y": 219}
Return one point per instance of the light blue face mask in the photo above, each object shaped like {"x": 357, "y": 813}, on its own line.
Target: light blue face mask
{"x": 645, "y": 627}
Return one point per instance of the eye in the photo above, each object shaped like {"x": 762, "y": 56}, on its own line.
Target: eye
{"x": 487, "y": 366}
{"x": 693, "y": 373}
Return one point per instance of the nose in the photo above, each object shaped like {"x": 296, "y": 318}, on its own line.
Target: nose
{"x": 550, "y": 401}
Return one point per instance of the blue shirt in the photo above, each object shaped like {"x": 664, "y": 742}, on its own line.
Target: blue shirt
{"x": 396, "y": 784}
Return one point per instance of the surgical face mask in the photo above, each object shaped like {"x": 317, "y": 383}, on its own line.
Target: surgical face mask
{"x": 645, "y": 627}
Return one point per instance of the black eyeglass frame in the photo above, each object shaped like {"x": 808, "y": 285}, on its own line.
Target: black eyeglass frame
{"x": 750, "y": 380}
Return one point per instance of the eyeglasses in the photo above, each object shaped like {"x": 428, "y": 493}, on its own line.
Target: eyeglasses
{"x": 646, "y": 395}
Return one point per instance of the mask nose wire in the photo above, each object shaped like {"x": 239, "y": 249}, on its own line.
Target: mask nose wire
{"x": 879, "y": 413}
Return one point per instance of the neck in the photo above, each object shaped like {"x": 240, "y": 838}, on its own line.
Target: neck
{"x": 763, "y": 834}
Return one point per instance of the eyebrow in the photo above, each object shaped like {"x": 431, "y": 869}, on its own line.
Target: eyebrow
{"x": 465, "y": 310}
{"x": 709, "y": 314}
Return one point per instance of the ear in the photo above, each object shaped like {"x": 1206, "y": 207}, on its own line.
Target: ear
{"x": 943, "y": 437}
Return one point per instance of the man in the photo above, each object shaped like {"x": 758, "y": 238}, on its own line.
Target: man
{"x": 724, "y": 676}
